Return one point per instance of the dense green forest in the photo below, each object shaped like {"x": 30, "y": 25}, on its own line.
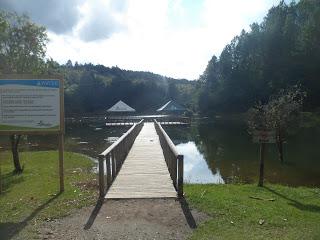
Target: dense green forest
{"x": 93, "y": 88}
{"x": 282, "y": 51}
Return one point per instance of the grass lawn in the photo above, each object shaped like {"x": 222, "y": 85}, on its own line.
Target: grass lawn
{"x": 32, "y": 197}
{"x": 250, "y": 212}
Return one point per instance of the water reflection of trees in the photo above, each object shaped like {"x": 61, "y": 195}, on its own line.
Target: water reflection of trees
{"x": 227, "y": 146}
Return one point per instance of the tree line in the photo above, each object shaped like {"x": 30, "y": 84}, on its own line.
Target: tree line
{"x": 281, "y": 52}
{"x": 94, "y": 88}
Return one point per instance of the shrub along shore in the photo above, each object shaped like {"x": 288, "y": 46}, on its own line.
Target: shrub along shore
{"x": 235, "y": 211}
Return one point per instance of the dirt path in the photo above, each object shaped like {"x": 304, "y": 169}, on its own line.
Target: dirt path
{"x": 126, "y": 219}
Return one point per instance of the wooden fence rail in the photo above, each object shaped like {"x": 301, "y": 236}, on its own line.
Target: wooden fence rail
{"x": 113, "y": 157}
{"x": 173, "y": 159}
{"x": 185, "y": 120}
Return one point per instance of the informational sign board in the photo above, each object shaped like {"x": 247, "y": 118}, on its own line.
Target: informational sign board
{"x": 31, "y": 105}
{"x": 264, "y": 136}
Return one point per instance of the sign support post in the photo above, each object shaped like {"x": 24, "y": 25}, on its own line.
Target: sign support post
{"x": 61, "y": 161}
{"x": 0, "y": 179}
{"x": 263, "y": 137}
{"x": 261, "y": 172}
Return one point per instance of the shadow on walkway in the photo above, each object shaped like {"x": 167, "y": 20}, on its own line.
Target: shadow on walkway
{"x": 183, "y": 203}
{"x": 9, "y": 230}
{"x": 295, "y": 203}
{"x": 187, "y": 213}
{"x": 94, "y": 214}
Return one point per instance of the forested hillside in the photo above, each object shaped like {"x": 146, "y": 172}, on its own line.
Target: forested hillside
{"x": 94, "y": 88}
{"x": 282, "y": 51}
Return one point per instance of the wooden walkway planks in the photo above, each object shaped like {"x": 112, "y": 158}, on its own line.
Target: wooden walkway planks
{"x": 144, "y": 173}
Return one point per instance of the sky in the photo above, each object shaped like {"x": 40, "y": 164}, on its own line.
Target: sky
{"x": 175, "y": 38}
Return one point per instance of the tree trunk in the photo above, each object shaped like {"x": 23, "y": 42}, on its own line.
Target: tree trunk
{"x": 280, "y": 145}
{"x": 15, "y": 139}
{"x": 261, "y": 173}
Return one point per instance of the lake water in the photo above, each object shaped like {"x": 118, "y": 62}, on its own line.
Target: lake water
{"x": 223, "y": 152}
{"x": 214, "y": 151}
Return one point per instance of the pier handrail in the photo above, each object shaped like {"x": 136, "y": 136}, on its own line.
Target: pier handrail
{"x": 114, "y": 156}
{"x": 173, "y": 159}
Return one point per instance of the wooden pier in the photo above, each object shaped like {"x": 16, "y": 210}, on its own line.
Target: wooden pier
{"x": 120, "y": 124}
{"x": 120, "y": 121}
{"x": 143, "y": 163}
{"x": 165, "y": 120}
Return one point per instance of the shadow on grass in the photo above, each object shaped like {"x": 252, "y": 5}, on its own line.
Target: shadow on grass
{"x": 295, "y": 203}
{"x": 94, "y": 214}
{"x": 9, "y": 179}
{"x": 9, "y": 230}
{"x": 187, "y": 213}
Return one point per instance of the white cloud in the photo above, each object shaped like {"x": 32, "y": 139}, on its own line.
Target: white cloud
{"x": 152, "y": 38}
{"x": 100, "y": 19}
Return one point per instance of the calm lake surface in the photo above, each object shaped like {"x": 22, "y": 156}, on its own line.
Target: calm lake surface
{"x": 222, "y": 152}
{"x": 214, "y": 151}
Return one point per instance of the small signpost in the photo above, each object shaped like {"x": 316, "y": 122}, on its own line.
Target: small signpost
{"x": 263, "y": 137}
{"x": 33, "y": 105}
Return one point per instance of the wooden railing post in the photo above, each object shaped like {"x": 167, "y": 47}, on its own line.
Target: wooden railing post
{"x": 174, "y": 170}
{"x": 101, "y": 177}
{"x": 108, "y": 170}
{"x": 180, "y": 176}
{"x": 117, "y": 155}
{"x": 113, "y": 162}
